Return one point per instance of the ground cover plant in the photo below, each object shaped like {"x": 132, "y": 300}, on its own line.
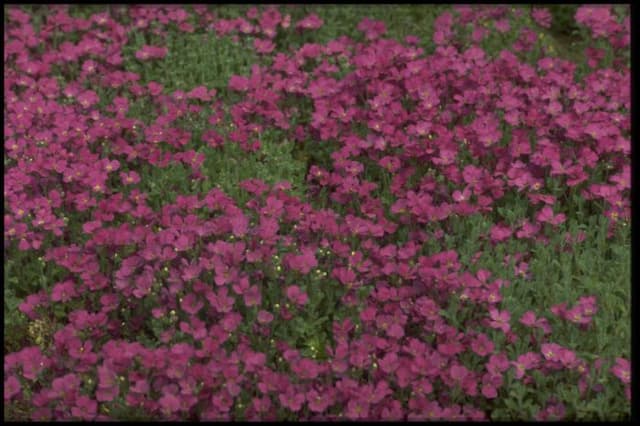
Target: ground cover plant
{"x": 317, "y": 213}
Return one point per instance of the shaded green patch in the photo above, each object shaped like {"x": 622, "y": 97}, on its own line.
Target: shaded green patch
{"x": 192, "y": 60}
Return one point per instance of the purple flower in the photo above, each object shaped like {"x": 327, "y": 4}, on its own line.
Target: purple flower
{"x": 191, "y": 304}
{"x": 303, "y": 262}
{"x": 296, "y": 295}
{"x": 499, "y": 320}
{"x": 542, "y": 16}
{"x": 12, "y": 387}
{"x": 622, "y": 370}
{"x": 63, "y": 292}
{"x": 85, "y": 408}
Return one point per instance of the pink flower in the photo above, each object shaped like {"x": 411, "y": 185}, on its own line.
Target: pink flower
{"x": 497, "y": 364}
{"x": 263, "y": 46}
{"x": 481, "y": 345}
{"x": 239, "y": 224}
{"x": 254, "y": 360}
{"x": 12, "y": 387}
{"x": 129, "y": 178}
{"x": 265, "y": 317}
{"x": 85, "y": 408}
{"x": 296, "y": 295}
{"x": 489, "y": 390}
{"x": 201, "y": 93}
{"x": 528, "y": 230}
{"x": 546, "y": 215}
{"x": 303, "y": 262}
{"x": 239, "y": 83}
{"x": 568, "y": 358}
{"x": 458, "y": 372}
{"x": 500, "y": 233}
{"x": 622, "y": 370}
{"x": 108, "y": 384}
{"x": 88, "y": 98}
{"x": 262, "y": 405}
{"x": 357, "y": 409}
{"x": 111, "y": 165}
{"x": 395, "y": 330}
{"x": 389, "y": 363}
{"x": 191, "y": 304}
{"x": 310, "y": 22}
{"x": 319, "y": 401}
{"x": 169, "y": 403}
{"x": 63, "y": 292}
{"x": 559, "y": 309}
{"x": 91, "y": 226}
{"x": 305, "y": 368}
{"x": 500, "y": 320}
{"x": 577, "y": 316}
{"x": 41, "y": 414}
{"x": 151, "y": 52}
{"x": 528, "y": 319}
{"x": 542, "y": 16}
{"x": 527, "y": 361}
{"x": 551, "y": 351}
{"x": 253, "y": 296}
{"x": 292, "y": 400}
{"x": 462, "y": 196}
{"x": 372, "y": 29}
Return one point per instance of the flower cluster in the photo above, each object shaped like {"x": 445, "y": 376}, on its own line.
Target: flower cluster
{"x": 332, "y": 305}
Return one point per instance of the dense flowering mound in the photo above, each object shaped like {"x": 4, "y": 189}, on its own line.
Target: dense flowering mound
{"x": 348, "y": 302}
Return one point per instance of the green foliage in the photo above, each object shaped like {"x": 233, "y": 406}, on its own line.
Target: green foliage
{"x": 193, "y": 60}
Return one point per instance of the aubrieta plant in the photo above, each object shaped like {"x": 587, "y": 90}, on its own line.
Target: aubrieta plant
{"x": 364, "y": 228}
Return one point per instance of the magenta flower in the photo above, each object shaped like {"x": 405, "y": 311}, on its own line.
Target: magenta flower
{"x": 622, "y": 370}
{"x": 357, "y": 409}
{"x": 85, "y": 408}
{"x": 12, "y": 387}
{"x": 265, "y": 317}
{"x": 253, "y": 296}
{"x": 306, "y": 368}
{"x": 458, "y": 372}
{"x": 546, "y": 216}
{"x": 489, "y": 391}
{"x": 528, "y": 319}
{"x": 498, "y": 363}
{"x": 191, "y": 304}
{"x": 310, "y": 22}
{"x": 201, "y": 93}
{"x": 88, "y": 98}
{"x": 412, "y": 140}
{"x": 481, "y": 345}
{"x": 303, "y": 262}
{"x": 108, "y": 384}
{"x": 499, "y": 320}
{"x": 130, "y": 178}
{"x": 151, "y": 52}
{"x": 263, "y": 46}
{"x": 292, "y": 400}
{"x": 63, "y": 292}
{"x": 525, "y": 362}
{"x": 296, "y": 295}
{"x": 319, "y": 401}
{"x": 460, "y": 196}
{"x": 389, "y": 363}
{"x": 551, "y": 351}
{"x": 169, "y": 403}
{"x": 542, "y": 16}
{"x": 372, "y": 29}
{"x": 499, "y": 233}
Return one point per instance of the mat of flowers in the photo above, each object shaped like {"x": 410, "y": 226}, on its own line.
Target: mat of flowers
{"x": 347, "y": 299}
